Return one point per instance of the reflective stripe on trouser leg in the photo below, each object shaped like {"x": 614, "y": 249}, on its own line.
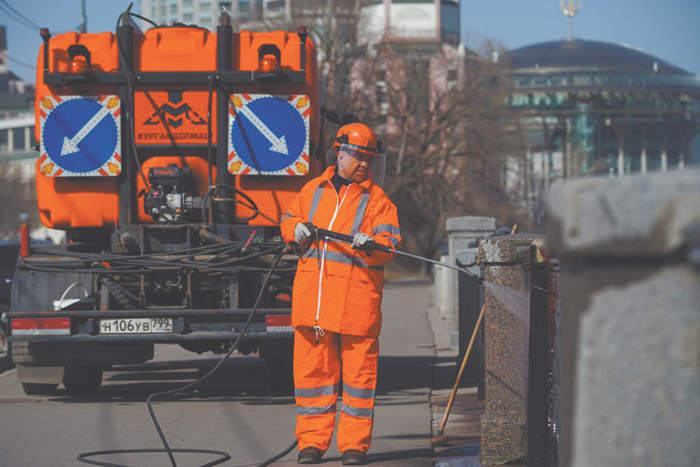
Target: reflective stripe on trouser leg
{"x": 316, "y": 376}
{"x": 359, "y": 356}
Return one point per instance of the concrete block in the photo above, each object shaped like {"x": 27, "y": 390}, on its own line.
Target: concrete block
{"x": 638, "y": 215}
{"x": 487, "y": 225}
{"x": 630, "y": 321}
{"x": 638, "y": 373}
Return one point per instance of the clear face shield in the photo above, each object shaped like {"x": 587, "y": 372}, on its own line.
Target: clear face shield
{"x": 374, "y": 157}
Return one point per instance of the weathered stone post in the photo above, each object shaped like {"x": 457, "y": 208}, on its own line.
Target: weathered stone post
{"x": 442, "y": 287}
{"x": 503, "y": 424}
{"x": 630, "y": 317}
{"x": 461, "y": 231}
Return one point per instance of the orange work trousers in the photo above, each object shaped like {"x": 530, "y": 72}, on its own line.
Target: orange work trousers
{"x": 318, "y": 367}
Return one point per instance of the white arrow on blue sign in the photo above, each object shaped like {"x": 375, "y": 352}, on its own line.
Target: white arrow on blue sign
{"x": 268, "y": 134}
{"x": 80, "y": 135}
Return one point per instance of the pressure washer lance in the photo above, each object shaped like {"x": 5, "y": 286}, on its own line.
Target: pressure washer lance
{"x": 375, "y": 246}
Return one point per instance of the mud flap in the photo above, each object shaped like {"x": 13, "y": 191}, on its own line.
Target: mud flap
{"x": 40, "y": 374}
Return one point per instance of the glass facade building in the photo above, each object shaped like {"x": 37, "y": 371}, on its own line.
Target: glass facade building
{"x": 588, "y": 107}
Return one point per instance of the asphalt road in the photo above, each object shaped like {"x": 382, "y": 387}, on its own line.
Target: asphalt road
{"x": 233, "y": 411}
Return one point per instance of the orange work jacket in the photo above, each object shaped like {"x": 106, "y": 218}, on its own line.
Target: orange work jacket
{"x": 337, "y": 288}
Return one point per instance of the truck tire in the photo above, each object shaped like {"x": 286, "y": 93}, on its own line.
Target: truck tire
{"x": 280, "y": 375}
{"x": 39, "y": 389}
{"x": 45, "y": 353}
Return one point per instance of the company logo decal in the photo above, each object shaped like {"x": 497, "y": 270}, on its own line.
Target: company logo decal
{"x": 175, "y": 111}
{"x": 171, "y": 117}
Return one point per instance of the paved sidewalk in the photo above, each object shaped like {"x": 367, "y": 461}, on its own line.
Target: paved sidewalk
{"x": 415, "y": 342}
{"x": 464, "y": 423}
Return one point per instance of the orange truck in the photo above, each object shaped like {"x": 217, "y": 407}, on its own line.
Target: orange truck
{"x": 167, "y": 157}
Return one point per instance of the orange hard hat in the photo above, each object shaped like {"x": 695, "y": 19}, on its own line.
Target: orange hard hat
{"x": 358, "y": 137}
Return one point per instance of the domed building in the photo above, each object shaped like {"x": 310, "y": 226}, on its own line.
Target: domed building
{"x": 605, "y": 106}
{"x": 587, "y": 107}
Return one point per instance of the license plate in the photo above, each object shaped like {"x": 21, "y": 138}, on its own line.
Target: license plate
{"x": 136, "y": 326}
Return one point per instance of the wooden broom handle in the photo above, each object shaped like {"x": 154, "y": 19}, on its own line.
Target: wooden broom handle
{"x": 461, "y": 370}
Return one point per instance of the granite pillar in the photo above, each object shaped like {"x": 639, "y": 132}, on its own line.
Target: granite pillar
{"x": 506, "y": 302}
{"x": 630, "y": 318}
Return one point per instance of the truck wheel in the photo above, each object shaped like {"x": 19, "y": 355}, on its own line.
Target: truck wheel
{"x": 5, "y": 350}
{"x": 88, "y": 382}
{"x": 39, "y": 389}
{"x": 280, "y": 375}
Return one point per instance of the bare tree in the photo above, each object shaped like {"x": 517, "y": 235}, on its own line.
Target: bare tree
{"x": 448, "y": 132}
{"x": 440, "y": 111}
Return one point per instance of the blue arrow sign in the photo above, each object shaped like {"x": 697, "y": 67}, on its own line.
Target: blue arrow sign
{"x": 268, "y": 134}
{"x": 80, "y": 135}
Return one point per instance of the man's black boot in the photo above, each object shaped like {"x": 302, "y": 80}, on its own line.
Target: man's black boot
{"x": 309, "y": 456}
{"x": 353, "y": 457}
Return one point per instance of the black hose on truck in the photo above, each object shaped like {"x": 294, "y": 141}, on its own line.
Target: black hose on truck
{"x": 224, "y": 456}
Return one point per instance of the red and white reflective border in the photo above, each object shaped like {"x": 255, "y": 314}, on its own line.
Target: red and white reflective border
{"x": 112, "y": 106}
{"x": 298, "y": 167}
{"x": 40, "y": 326}
{"x": 279, "y": 323}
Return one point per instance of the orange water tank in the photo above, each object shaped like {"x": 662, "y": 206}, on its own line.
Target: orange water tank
{"x": 169, "y": 120}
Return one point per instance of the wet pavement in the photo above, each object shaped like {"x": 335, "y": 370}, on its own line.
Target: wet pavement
{"x": 464, "y": 422}
{"x": 235, "y": 412}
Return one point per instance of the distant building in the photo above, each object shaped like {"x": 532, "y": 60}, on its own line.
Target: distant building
{"x": 415, "y": 40}
{"x": 16, "y": 117}
{"x": 9, "y": 82}
{"x": 17, "y": 142}
{"x": 596, "y": 108}
{"x": 205, "y": 13}
{"x": 411, "y": 21}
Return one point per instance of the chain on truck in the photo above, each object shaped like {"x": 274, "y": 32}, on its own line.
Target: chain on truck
{"x": 167, "y": 157}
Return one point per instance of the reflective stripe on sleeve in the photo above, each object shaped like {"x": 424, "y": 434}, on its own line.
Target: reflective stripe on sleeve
{"x": 316, "y": 392}
{"x": 360, "y": 413}
{"x": 357, "y": 392}
{"x": 392, "y": 229}
{"x": 344, "y": 258}
{"x": 285, "y": 215}
{"x": 316, "y": 410}
{"x": 360, "y": 213}
{"x": 314, "y": 202}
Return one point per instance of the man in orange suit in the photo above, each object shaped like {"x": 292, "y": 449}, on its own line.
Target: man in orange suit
{"x": 336, "y": 310}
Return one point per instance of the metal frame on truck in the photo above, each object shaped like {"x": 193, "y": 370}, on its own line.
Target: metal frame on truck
{"x": 169, "y": 244}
